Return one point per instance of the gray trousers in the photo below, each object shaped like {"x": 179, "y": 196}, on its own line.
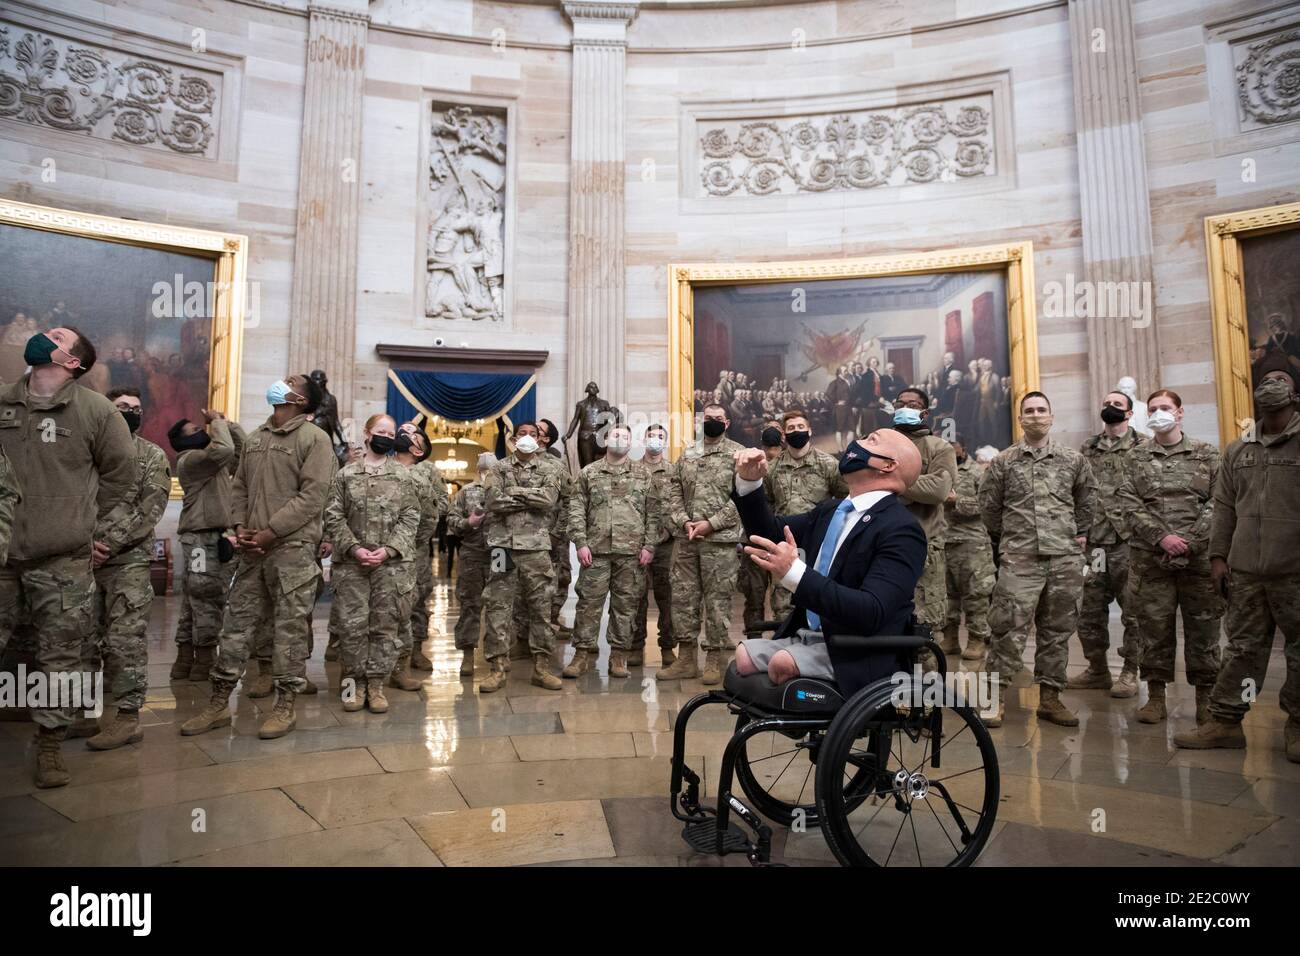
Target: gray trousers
{"x": 808, "y": 648}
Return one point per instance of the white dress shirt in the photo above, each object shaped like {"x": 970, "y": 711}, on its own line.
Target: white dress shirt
{"x": 861, "y": 503}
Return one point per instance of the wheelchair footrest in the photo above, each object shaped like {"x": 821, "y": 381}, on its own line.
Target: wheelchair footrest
{"x": 703, "y": 837}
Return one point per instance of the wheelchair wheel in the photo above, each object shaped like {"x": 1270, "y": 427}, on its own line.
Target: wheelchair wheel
{"x": 883, "y": 803}
{"x": 777, "y": 773}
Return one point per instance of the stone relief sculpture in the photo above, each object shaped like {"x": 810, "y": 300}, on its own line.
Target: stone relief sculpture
{"x": 466, "y": 241}
{"x": 109, "y": 94}
{"x": 866, "y": 149}
{"x": 1268, "y": 79}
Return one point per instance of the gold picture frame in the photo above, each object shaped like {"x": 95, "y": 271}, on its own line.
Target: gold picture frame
{"x": 1223, "y": 235}
{"x": 1016, "y": 259}
{"x": 229, "y": 255}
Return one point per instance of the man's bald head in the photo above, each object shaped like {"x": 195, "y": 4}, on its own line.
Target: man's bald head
{"x": 895, "y": 475}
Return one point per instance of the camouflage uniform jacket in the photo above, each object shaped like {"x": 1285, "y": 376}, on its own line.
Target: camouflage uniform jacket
{"x": 128, "y": 528}
{"x": 370, "y": 507}
{"x": 207, "y": 477}
{"x": 283, "y": 480}
{"x": 11, "y": 495}
{"x": 661, "y": 478}
{"x": 522, "y": 497}
{"x": 1256, "y": 523}
{"x": 431, "y": 493}
{"x": 470, "y": 497}
{"x": 701, "y": 490}
{"x": 610, "y": 511}
{"x": 795, "y": 485}
{"x": 963, "y": 515}
{"x": 1168, "y": 491}
{"x": 925, "y": 497}
{"x": 1037, "y": 500}
{"x": 1108, "y": 458}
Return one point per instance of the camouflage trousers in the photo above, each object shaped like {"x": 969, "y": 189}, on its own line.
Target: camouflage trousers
{"x": 970, "y": 574}
{"x": 264, "y": 646}
{"x": 563, "y": 575}
{"x": 372, "y": 603}
{"x": 621, "y": 578}
{"x": 58, "y": 596}
{"x": 1042, "y": 592}
{"x": 531, "y": 577}
{"x": 752, "y": 582}
{"x": 1258, "y": 606}
{"x": 275, "y": 591}
{"x": 415, "y": 626}
{"x": 658, "y": 574}
{"x": 123, "y": 597}
{"x": 1158, "y": 594}
{"x": 703, "y": 581}
{"x": 204, "y": 583}
{"x": 1105, "y": 579}
{"x": 470, "y": 581}
{"x": 931, "y": 598}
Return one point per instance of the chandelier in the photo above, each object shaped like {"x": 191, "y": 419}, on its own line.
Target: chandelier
{"x": 452, "y": 462}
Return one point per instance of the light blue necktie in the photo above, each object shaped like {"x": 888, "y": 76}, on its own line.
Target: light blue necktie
{"x": 827, "y": 553}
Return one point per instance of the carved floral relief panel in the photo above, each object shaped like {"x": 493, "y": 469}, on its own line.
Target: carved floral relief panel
{"x": 1268, "y": 79}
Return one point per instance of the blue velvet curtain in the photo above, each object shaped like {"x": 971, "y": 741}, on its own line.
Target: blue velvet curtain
{"x": 461, "y": 396}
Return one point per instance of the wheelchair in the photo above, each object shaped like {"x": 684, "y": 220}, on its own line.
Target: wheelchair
{"x": 909, "y": 785}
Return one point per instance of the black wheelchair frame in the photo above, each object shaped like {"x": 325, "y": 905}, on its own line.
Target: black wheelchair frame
{"x": 871, "y": 709}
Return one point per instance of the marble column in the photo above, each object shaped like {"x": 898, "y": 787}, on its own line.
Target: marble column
{"x": 322, "y": 331}
{"x": 1115, "y": 211}
{"x": 597, "y": 309}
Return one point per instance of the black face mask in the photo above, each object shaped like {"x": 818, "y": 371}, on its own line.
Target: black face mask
{"x": 382, "y": 444}
{"x": 132, "y": 418}
{"x": 772, "y": 437}
{"x": 405, "y": 444}
{"x": 714, "y": 428}
{"x": 797, "y": 440}
{"x": 1112, "y": 415}
{"x": 856, "y": 457}
{"x": 191, "y": 443}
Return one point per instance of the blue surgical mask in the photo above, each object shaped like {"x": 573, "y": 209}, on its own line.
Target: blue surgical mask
{"x": 907, "y": 416}
{"x": 654, "y": 444}
{"x": 278, "y": 393}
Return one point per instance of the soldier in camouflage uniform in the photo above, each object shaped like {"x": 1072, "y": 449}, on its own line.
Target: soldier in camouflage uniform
{"x": 799, "y": 480}
{"x": 1167, "y": 498}
{"x": 752, "y": 581}
{"x": 10, "y": 497}
{"x": 707, "y": 527}
{"x": 613, "y": 525}
{"x": 61, "y": 441}
{"x": 1106, "y": 571}
{"x": 925, "y": 499}
{"x": 279, "y": 495}
{"x": 553, "y": 459}
{"x": 1037, "y": 500}
{"x": 431, "y": 493}
{"x": 659, "y": 571}
{"x": 1253, "y": 539}
{"x": 522, "y": 494}
{"x": 466, "y": 521}
{"x": 205, "y": 466}
{"x": 121, "y": 552}
{"x": 968, "y": 561}
{"x": 372, "y": 519}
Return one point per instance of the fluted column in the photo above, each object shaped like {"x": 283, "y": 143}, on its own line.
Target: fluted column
{"x": 597, "y": 310}
{"x": 1116, "y": 212}
{"x": 323, "y": 324}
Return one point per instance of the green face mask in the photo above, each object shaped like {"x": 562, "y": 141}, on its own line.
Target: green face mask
{"x": 1273, "y": 393}
{"x": 40, "y": 350}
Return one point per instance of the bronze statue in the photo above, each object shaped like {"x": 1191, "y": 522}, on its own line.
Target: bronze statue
{"x": 589, "y": 416}
{"x": 327, "y": 412}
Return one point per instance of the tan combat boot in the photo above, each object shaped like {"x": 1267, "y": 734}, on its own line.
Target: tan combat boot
{"x": 635, "y": 657}
{"x": 1090, "y": 679}
{"x": 50, "y": 770}
{"x": 582, "y": 657}
{"x": 282, "y": 719}
{"x": 685, "y": 667}
{"x": 1202, "y": 704}
{"x": 401, "y": 676}
{"x": 467, "y": 663}
{"x": 1154, "y": 711}
{"x": 542, "y": 676}
{"x": 418, "y": 661}
{"x": 83, "y": 727}
{"x": 618, "y": 661}
{"x": 1291, "y": 739}
{"x": 949, "y": 643}
{"x": 667, "y": 655}
{"x": 995, "y": 721}
{"x": 376, "y": 702}
{"x": 215, "y": 714}
{"x": 204, "y": 657}
{"x": 1211, "y": 735}
{"x": 125, "y": 729}
{"x": 975, "y": 649}
{"x": 184, "y": 661}
{"x": 714, "y": 662}
{"x": 1127, "y": 685}
{"x": 309, "y": 688}
{"x": 262, "y": 685}
{"x": 496, "y": 678}
{"x": 356, "y": 699}
{"x": 332, "y": 649}
{"x": 1052, "y": 710}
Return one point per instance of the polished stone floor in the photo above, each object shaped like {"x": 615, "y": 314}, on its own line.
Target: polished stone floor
{"x": 449, "y": 777}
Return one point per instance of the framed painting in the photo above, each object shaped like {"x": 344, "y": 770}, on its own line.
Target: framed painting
{"x": 1254, "y": 304}
{"x": 163, "y": 305}
{"x": 841, "y": 338}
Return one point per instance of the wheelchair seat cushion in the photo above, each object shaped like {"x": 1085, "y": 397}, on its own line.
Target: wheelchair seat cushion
{"x": 803, "y": 695}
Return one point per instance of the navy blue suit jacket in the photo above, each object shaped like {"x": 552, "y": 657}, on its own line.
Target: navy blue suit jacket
{"x": 871, "y": 581}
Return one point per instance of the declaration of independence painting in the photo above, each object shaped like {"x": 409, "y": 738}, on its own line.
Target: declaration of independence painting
{"x": 125, "y": 298}
{"x": 843, "y": 349}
